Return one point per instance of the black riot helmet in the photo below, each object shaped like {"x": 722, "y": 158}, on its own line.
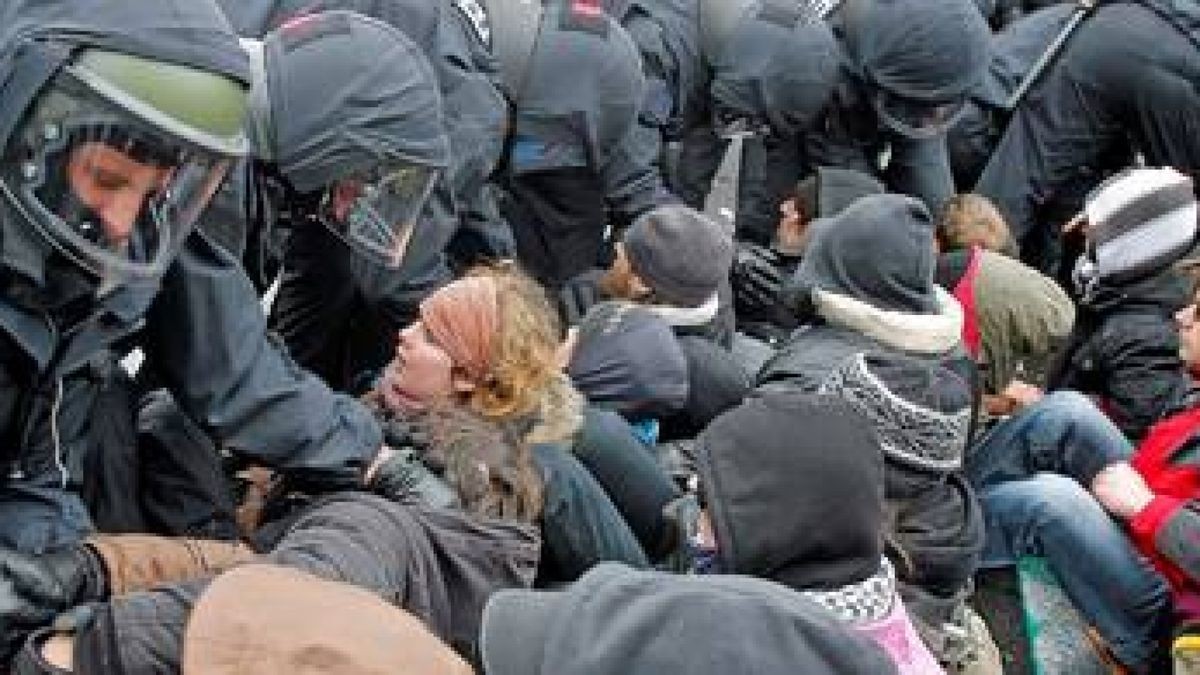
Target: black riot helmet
{"x": 347, "y": 109}
{"x": 116, "y": 157}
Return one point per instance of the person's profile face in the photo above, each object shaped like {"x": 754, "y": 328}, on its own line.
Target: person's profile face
{"x": 420, "y": 374}
{"x": 114, "y": 186}
{"x": 1189, "y": 334}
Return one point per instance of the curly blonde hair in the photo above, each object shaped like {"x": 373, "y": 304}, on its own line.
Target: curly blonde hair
{"x": 968, "y": 220}
{"x": 526, "y": 385}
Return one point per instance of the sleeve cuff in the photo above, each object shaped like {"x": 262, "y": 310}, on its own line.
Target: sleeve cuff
{"x": 1148, "y": 521}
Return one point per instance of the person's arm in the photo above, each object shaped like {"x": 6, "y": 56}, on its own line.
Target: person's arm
{"x": 1173, "y": 527}
{"x": 207, "y": 336}
{"x": 136, "y": 562}
{"x": 921, "y": 168}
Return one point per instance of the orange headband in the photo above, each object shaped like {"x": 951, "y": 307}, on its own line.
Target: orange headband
{"x": 462, "y": 318}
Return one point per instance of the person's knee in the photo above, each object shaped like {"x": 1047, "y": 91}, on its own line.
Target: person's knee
{"x": 1069, "y": 403}
{"x": 1045, "y": 501}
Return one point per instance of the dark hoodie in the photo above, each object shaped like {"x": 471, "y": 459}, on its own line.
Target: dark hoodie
{"x": 794, "y": 487}
{"x": 618, "y": 620}
{"x": 1124, "y": 349}
{"x": 439, "y": 565}
{"x": 883, "y": 338}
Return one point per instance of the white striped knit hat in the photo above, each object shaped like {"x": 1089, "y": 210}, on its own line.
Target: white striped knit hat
{"x": 1140, "y": 221}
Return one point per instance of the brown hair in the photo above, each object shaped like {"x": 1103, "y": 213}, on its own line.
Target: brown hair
{"x": 968, "y": 220}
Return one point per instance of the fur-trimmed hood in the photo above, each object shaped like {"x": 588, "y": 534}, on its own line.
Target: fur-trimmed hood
{"x": 921, "y": 333}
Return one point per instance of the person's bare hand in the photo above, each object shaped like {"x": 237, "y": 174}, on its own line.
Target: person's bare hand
{"x": 1022, "y": 394}
{"x": 1079, "y": 224}
{"x": 1121, "y": 490}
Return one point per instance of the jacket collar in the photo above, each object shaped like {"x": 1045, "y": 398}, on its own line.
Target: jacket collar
{"x": 920, "y": 333}
{"x": 687, "y": 316}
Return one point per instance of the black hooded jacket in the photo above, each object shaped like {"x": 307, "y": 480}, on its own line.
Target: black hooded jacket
{"x": 811, "y": 467}
{"x": 201, "y": 327}
{"x": 1124, "y": 349}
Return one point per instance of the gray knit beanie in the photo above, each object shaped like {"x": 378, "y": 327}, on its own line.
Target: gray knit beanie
{"x": 680, "y": 253}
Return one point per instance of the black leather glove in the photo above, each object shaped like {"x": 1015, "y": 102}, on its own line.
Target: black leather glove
{"x": 404, "y": 478}
{"x": 757, "y": 275}
{"x": 35, "y": 588}
{"x": 578, "y": 295}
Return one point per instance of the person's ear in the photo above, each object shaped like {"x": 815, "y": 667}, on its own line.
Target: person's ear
{"x": 638, "y": 288}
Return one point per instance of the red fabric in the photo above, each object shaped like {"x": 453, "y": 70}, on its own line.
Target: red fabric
{"x": 1173, "y": 485}
{"x": 964, "y": 292}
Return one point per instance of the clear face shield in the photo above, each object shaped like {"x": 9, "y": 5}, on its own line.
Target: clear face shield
{"x": 114, "y": 194}
{"x": 916, "y": 119}
{"x": 376, "y": 211}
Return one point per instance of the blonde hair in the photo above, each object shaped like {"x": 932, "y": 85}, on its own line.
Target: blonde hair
{"x": 526, "y": 384}
{"x": 970, "y": 220}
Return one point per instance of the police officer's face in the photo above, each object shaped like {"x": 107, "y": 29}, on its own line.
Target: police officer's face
{"x": 113, "y": 185}
{"x": 421, "y": 374}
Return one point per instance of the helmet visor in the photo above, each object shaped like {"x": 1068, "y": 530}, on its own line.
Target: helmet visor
{"x": 916, "y": 119}
{"x": 112, "y": 192}
{"x": 376, "y": 211}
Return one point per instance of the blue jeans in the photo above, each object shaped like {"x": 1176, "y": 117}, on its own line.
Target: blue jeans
{"x": 1032, "y": 473}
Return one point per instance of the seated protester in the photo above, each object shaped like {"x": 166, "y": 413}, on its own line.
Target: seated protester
{"x": 1014, "y": 318}
{"x": 626, "y": 361}
{"x": 809, "y": 466}
{"x": 672, "y": 261}
{"x": 1124, "y": 350}
{"x": 1033, "y": 473}
{"x": 759, "y": 271}
{"x": 625, "y": 358}
{"x": 137, "y": 601}
{"x": 488, "y": 343}
{"x": 618, "y": 621}
{"x": 878, "y": 332}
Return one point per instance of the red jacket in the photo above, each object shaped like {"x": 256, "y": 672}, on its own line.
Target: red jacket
{"x": 1168, "y": 529}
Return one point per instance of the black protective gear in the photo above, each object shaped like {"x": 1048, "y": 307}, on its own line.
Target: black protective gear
{"x": 35, "y": 588}
{"x": 1122, "y": 85}
{"x": 757, "y": 277}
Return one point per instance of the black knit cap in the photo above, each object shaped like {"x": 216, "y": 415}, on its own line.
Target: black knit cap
{"x": 680, "y": 253}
